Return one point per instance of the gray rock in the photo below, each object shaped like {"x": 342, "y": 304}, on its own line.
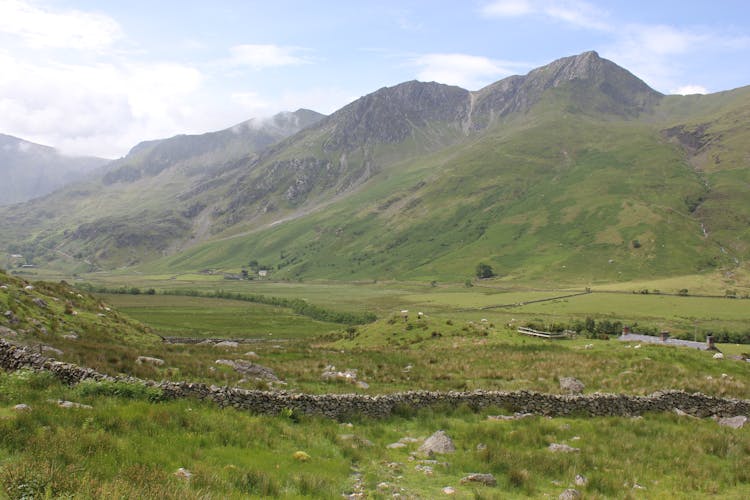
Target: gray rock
{"x": 394, "y": 446}
{"x": 70, "y": 404}
{"x": 569, "y": 494}
{"x": 249, "y": 369}
{"x": 571, "y": 385}
{"x": 7, "y": 332}
{"x": 562, "y": 448}
{"x": 581, "y": 480}
{"x": 734, "y": 422}
{"x": 22, "y": 407}
{"x": 39, "y": 302}
{"x": 227, "y": 344}
{"x": 439, "y": 442}
{"x": 485, "y": 479}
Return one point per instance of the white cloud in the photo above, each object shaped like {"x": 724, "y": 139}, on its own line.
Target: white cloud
{"x": 467, "y": 71}
{"x": 690, "y": 90}
{"x": 101, "y": 109}
{"x": 653, "y": 52}
{"x": 508, "y": 8}
{"x": 574, "y": 12}
{"x": 40, "y": 27}
{"x": 265, "y": 56}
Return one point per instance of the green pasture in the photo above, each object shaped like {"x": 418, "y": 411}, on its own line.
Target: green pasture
{"x": 208, "y": 317}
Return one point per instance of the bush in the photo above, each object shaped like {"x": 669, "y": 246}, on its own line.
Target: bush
{"x": 484, "y": 271}
{"x": 120, "y": 389}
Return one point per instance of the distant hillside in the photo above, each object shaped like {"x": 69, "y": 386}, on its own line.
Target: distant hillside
{"x": 577, "y": 170}
{"x": 139, "y": 205}
{"x": 30, "y": 170}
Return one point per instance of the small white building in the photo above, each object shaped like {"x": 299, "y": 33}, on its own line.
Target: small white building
{"x": 263, "y": 273}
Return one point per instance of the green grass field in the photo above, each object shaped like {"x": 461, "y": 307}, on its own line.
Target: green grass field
{"x": 129, "y": 447}
{"x": 130, "y": 444}
{"x": 205, "y": 317}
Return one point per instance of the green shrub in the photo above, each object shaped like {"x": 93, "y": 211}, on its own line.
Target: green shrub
{"x": 120, "y": 389}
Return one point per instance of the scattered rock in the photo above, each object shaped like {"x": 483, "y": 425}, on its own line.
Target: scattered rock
{"x": 719, "y": 355}
{"x": 183, "y": 473}
{"x": 7, "y": 332}
{"x": 485, "y": 479}
{"x": 409, "y": 440}
{"x": 481, "y": 447}
{"x": 569, "y": 494}
{"x": 300, "y": 456}
{"x": 426, "y": 469}
{"x": 448, "y": 490}
{"x": 734, "y": 422}
{"x": 394, "y": 446}
{"x": 53, "y": 350}
{"x": 563, "y": 448}
{"x": 571, "y": 385}
{"x": 588, "y": 346}
{"x": 70, "y": 336}
{"x": 439, "y": 442}
{"x": 69, "y": 404}
{"x": 330, "y": 373}
{"x": 227, "y": 344}
{"x": 681, "y": 413}
{"x": 251, "y": 355}
{"x": 39, "y": 302}
{"x": 22, "y": 407}
{"x": 515, "y": 416}
{"x": 581, "y": 480}
{"x": 147, "y": 360}
{"x": 362, "y": 384}
{"x": 249, "y": 369}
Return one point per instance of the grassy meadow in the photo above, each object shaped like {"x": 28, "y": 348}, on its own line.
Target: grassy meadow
{"x": 131, "y": 445}
{"x": 131, "y": 442}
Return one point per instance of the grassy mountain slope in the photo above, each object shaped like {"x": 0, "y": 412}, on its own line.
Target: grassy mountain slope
{"x": 143, "y": 203}
{"x": 590, "y": 182}
{"x": 577, "y": 170}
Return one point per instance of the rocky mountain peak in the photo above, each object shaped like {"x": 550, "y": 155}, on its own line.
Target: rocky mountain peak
{"x": 390, "y": 114}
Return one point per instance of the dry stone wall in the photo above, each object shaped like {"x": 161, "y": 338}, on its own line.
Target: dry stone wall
{"x": 341, "y": 406}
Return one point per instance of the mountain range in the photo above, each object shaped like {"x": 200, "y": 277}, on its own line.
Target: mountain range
{"x": 577, "y": 170}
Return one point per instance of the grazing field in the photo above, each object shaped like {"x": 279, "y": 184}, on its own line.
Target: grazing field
{"x": 207, "y": 317}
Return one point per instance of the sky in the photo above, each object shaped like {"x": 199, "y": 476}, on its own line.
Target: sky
{"x": 97, "y": 77}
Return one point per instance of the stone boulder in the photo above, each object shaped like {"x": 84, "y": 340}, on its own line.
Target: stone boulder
{"x": 485, "y": 479}
{"x": 249, "y": 369}
{"x": 569, "y": 494}
{"x": 227, "y": 344}
{"x": 734, "y": 422}
{"x": 439, "y": 442}
{"x": 562, "y": 448}
{"x": 571, "y": 385}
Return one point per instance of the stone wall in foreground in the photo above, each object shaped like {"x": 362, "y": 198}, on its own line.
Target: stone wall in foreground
{"x": 341, "y": 406}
